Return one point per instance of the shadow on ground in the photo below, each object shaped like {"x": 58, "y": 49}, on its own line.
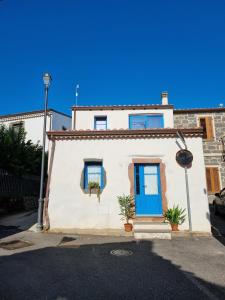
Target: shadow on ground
{"x": 8, "y": 230}
{"x": 15, "y": 223}
{"x": 91, "y": 272}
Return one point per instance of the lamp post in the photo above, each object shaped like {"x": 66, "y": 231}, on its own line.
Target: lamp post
{"x": 47, "y": 79}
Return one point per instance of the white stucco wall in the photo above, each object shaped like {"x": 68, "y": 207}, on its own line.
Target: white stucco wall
{"x": 117, "y": 119}
{"x": 33, "y": 125}
{"x": 70, "y": 208}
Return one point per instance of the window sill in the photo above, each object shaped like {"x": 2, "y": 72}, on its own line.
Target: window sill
{"x": 92, "y": 192}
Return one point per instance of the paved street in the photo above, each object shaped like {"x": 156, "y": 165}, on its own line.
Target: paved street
{"x": 59, "y": 266}
{"x": 85, "y": 269}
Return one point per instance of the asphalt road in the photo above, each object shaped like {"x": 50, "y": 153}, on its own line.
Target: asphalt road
{"x": 91, "y": 272}
{"x": 83, "y": 268}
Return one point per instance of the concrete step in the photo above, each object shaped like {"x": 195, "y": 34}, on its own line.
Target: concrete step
{"x": 152, "y": 235}
{"x": 151, "y": 225}
{"x": 151, "y": 230}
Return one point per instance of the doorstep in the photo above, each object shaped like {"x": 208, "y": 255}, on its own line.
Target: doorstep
{"x": 149, "y": 219}
{"x": 148, "y": 230}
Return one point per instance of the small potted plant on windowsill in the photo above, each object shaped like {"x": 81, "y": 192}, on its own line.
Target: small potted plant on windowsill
{"x": 175, "y": 216}
{"x": 126, "y": 210}
{"x": 94, "y": 187}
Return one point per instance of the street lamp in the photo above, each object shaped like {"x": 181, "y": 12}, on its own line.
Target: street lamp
{"x": 46, "y": 79}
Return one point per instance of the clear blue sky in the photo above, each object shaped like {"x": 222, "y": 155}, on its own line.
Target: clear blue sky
{"x": 119, "y": 51}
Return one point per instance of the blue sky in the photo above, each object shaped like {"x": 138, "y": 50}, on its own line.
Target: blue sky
{"x": 119, "y": 51}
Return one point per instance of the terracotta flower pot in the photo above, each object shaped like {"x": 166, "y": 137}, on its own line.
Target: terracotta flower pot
{"x": 174, "y": 227}
{"x": 128, "y": 227}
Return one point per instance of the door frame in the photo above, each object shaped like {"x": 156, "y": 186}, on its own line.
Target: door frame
{"x": 162, "y": 181}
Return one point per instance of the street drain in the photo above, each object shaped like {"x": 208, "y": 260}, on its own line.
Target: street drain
{"x": 16, "y": 244}
{"x": 121, "y": 252}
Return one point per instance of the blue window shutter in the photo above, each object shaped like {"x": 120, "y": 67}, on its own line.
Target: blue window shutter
{"x": 102, "y": 178}
{"x": 146, "y": 121}
{"x": 85, "y": 176}
{"x": 162, "y": 121}
{"x": 137, "y": 122}
{"x": 154, "y": 121}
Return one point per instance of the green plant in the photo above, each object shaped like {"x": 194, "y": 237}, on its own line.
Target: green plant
{"x": 126, "y": 207}
{"x": 94, "y": 185}
{"x": 17, "y": 155}
{"x": 175, "y": 215}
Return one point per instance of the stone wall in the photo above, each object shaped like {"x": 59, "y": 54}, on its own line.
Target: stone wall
{"x": 213, "y": 148}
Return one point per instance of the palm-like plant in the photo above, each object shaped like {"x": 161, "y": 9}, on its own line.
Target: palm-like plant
{"x": 126, "y": 207}
{"x": 175, "y": 215}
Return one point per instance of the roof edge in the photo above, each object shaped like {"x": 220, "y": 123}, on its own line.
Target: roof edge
{"x": 198, "y": 110}
{"x": 34, "y": 112}
{"x": 122, "y": 107}
{"x": 123, "y": 133}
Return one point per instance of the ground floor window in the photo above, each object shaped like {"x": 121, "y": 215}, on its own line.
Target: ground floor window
{"x": 93, "y": 172}
{"x": 212, "y": 179}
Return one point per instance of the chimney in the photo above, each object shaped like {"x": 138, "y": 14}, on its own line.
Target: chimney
{"x": 164, "y": 97}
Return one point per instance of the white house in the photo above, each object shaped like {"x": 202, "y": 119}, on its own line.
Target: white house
{"x": 128, "y": 149}
{"x": 32, "y": 122}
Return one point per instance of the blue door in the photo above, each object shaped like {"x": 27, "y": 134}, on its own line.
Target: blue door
{"x": 148, "y": 199}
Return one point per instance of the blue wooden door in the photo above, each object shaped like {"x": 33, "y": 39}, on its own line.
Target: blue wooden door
{"x": 148, "y": 199}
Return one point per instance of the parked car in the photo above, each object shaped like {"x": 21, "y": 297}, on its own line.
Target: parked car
{"x": 219, "y": 203}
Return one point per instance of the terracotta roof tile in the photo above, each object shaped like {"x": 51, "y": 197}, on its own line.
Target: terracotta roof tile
{"x": 123, "y": 134}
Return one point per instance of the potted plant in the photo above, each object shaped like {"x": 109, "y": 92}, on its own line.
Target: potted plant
{"x": 175, "y": 216}
{"x": 92, "y": 185}
{"x": 126, "y": 210}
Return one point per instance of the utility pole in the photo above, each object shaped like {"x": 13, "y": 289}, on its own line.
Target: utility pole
{"x": 47, "y": 80}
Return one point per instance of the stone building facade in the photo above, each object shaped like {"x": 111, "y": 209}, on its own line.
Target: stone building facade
{"x": 213, "y": 122}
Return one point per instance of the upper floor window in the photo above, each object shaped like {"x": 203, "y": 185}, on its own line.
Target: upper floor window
{"x": 93, "y": 173}
{"x": 17, "y": 126}
{"x": 146, "y": 121}
{"x": 207, "y": 124}
{"x": 100, "y": 123}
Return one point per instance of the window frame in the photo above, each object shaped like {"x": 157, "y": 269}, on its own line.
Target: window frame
{"x": 212, "y": 180}
{"x": 146, "y": 115}
{"x": 106, "y": 122}
{"x": 207, "y": 117}
{"x": 93, "y": 163}
{"x": 19, "y": 123}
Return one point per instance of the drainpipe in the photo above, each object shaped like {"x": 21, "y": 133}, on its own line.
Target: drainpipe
{"x": 46, "y": 200}
{"x": 188, "y": 199}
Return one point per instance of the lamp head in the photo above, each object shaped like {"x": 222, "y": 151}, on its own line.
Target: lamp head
{"x": 47, "y": 79}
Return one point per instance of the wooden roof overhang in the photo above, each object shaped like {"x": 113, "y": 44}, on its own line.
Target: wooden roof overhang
{"x": 122, "y": 134}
